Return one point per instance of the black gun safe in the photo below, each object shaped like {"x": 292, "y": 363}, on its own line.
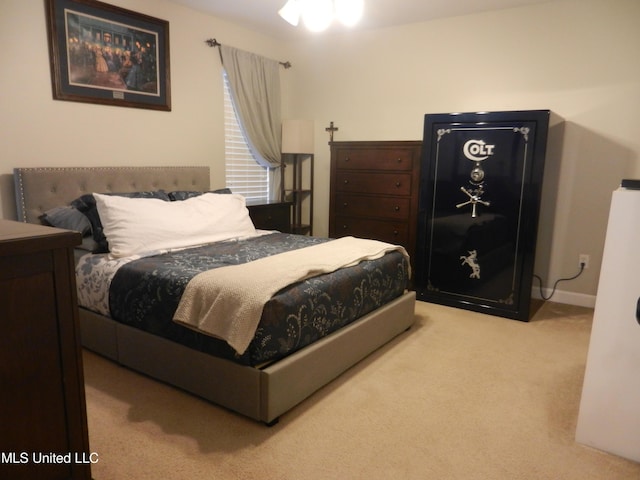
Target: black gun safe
{"x": 480, "y": 191}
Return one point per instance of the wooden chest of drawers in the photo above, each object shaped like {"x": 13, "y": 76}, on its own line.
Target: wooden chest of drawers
{"x": 374, "y": 191}
{"x": 42, "y": 406}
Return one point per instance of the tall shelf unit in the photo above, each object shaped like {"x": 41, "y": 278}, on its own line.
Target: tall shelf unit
{"x": 297, "y": 188}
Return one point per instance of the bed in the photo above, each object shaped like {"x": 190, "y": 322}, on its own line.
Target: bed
{"x": 260, "y": 388}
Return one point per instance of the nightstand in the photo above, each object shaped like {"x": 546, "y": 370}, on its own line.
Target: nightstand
{"x": 271, "y": 215}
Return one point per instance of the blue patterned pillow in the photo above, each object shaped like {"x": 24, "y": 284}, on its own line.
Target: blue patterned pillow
{"x": 69, "y": 218}
{"x": 184, "y": 194}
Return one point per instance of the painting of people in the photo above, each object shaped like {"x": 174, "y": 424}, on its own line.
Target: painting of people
{"x": 110, "y": 55}
{"x": 105, "y": 54}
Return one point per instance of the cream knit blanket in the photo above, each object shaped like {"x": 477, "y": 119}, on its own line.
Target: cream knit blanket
{"x": 227, "y": 302}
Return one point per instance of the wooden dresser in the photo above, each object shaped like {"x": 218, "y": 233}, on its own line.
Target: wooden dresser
{"x": 374, "y": 191}
{"x": 43, "y": 419}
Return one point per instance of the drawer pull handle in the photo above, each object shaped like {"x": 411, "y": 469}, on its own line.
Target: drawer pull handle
{"x": 398, "y": 184}
{"x": 346, "y": 182}
{"x": 399, "y": 160}
{"x": 395, "y": 232}
{"x": 346, "y": 159}
{"x": 344, "y": 227}
{"x": 397, "y": 208}
{"x": 345, "y": 204}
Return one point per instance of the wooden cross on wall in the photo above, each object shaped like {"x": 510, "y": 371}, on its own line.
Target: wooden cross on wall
{"x": 331, "y": 129}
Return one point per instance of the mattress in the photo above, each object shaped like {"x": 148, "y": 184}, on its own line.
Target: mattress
{"x": 144, "y": 292}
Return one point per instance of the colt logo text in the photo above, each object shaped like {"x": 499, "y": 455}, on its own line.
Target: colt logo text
{"x": 477, "y": 150}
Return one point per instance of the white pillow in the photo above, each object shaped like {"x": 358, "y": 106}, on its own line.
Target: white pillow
{"x": 141, "y": 225}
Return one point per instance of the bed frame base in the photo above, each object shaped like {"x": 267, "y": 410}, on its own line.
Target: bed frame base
{"x": 261, "y": 394}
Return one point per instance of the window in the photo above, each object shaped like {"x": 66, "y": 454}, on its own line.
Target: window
{"x": 243, "y": 173}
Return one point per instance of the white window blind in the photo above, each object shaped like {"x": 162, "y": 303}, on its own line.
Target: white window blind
{"x": 243, "y": 174}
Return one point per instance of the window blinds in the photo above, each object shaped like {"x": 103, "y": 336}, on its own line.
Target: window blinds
{"x": 243, "y": 174}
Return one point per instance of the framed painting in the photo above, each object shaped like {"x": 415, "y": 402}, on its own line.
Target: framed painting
{"x": 108, "y": 55}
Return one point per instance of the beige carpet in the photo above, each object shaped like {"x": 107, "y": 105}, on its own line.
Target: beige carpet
{"x": 460, "y": 396}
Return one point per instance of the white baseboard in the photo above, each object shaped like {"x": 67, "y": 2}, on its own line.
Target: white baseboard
{"x": 570, "y": 298}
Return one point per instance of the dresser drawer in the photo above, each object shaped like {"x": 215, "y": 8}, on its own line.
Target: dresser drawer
{"x": 394, "y": 158}
{"x": 391, "y": 232}
{"x": 384, "y": 183}
{"x": 397, "y": 208}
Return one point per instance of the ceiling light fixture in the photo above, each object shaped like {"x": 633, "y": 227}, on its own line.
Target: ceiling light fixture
{"x": 317, "y": 15}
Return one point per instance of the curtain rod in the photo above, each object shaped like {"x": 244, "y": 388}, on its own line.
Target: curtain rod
{"x": 212, "y": 42}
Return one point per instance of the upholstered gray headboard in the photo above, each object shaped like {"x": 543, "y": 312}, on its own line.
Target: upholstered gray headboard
{"x": 40, "y": 189}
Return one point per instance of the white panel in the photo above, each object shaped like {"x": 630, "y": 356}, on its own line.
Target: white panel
{"x": 609, "y": 417}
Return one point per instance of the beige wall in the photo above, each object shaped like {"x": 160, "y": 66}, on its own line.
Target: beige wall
{"x": 36, "y": 130}
{"x": 578, "y": 58}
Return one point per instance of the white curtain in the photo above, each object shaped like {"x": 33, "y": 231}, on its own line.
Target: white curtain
{"x": 254, "y": 82}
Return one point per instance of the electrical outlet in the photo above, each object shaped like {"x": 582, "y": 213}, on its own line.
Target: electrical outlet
{"x": 583, "y": 259}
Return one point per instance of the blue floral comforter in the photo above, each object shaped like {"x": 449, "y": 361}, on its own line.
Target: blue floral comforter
{"x": 145, "y": 292}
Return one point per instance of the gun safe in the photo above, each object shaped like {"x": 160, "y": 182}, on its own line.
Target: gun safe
{"x": 480, "y": 191}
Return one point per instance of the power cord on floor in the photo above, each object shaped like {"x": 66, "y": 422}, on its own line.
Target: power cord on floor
{"x": 557, "y": 282}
